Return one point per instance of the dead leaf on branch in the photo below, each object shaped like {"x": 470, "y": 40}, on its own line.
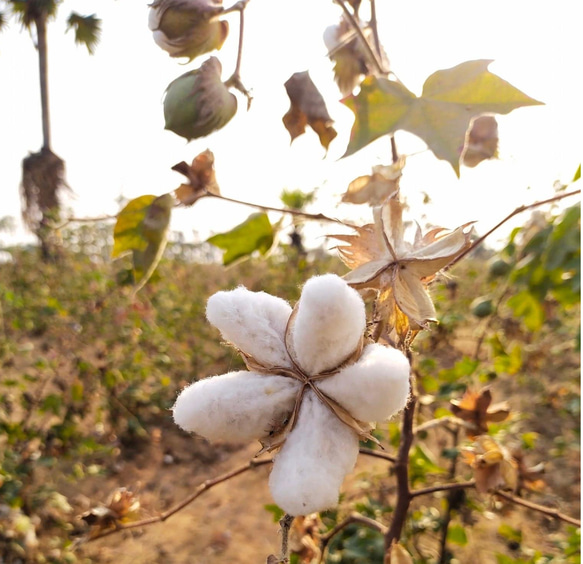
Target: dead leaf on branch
{"x": 351, "y": 59}
{"x": 477, "y": 409}
{"x": 121, "y": 506}
{"x": 529, "y": 478}
{"x": 493, "y": 465}
{"x": 307, "y": 108}
{"x": 481, "y": 141}
{"x": 441, "y": 116}
{"x": 201, "y": 177}
{"x": 375, "y": 188}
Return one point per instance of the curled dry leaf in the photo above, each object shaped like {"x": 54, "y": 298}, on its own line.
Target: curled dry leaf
{"x": 350, "y": 57}
{"x": 307, "y": 108}
{"x": 121, "y": 506}
{"x": 399, "y": 270}
{"x": 476, "y": 408}
{"x": 188, "y": 28}
{"x": 481, "y": 141}
{"x": 374, "y": 189}
{"x": 493, "y": 465}
{"x": 201, "y": 179}
{"x": 304, "y": 538}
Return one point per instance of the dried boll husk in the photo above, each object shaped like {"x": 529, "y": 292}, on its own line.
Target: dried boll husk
{"x": 187, "y": 28}
{"x": 198, "y": 103}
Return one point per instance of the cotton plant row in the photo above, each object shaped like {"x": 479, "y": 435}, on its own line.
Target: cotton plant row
{"x": 316, "y": 383}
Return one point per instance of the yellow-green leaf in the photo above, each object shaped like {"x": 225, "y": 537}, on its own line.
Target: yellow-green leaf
{"x": 142, "y": 229}
{"x": 457, "y": 535}
{"x": 254, "y": 234}
{"x": 127, "y": 233}
{"x": 441, "y": 116}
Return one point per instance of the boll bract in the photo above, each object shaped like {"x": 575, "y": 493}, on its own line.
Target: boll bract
{"x": 310, "y": 386}
{"x": 198, "y": 103}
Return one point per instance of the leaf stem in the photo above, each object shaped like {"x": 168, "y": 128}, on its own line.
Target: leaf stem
{"x": 291, "y": 211}
{"x": 352, "y": 518}
{"x": 517, "y": 211}
{"x": 443, "y": 488}
{"x": 235, "y": 79}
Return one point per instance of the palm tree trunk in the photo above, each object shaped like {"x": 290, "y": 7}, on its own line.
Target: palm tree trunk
{"x": 41, "y": 31}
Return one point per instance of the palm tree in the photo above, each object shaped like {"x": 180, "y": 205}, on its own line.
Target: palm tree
{"x": 43, "y": 173}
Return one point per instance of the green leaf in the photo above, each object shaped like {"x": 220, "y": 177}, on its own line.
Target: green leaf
{"x": 276, "y": 511}
{"x": 441, "y": 116}
{"x": 529, "y": 309}
{"x": 87, "y": 30}
{"x": 142, "y": 229}
{"x": 254, "y": 234}
{"x": 510, "y": 533}
{"x": 577, "y": 174}
{"x": 457, "y": 535}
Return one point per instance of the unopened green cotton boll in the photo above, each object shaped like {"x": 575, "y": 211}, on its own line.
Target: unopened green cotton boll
{"x": 198, "y": 103}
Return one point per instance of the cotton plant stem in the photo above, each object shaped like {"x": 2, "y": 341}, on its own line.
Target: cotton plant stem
{"x": 549, "y": 511}
{"x": 294, "y": 212}
{"x": 202, "y": 488}
{"x": 351, "y": 519}
{"x": 377, "y": 454}
{"x": 401, "y": 470}
{"x": 517, "y": 211}
{"x": 432, "y": 423}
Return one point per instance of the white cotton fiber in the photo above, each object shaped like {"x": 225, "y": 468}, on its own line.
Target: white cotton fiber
{"x": 236, "y": 406}
{"x": 253, "y": 321}
{"x": 310, "y": 468}
{"x": 329, "y": 323}
{"x": 374, "y": 388}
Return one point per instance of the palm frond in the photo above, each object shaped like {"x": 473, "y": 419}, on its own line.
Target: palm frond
{"x": 27, "y": 11}
{"x": 87, "y": 30}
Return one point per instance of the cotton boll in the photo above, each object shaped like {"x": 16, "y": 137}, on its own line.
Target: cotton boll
{"x": 374, "y": 388}
{"x": 310, "y": 468}
{"x": 236, "y": 406}
{"x": 253, "y": 321}
{"x": 328, "y": 325}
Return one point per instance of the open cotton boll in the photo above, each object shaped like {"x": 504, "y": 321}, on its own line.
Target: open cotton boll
{"x": 239, "y": 405}
{"x": 310, "y": 468}
{"x": 329, "y": 323}
{"x": 255, "y": 322}
{"x": 374, "y": 388}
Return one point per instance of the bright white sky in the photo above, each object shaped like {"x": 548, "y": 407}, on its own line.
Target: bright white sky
{"x": 107, "y": 121}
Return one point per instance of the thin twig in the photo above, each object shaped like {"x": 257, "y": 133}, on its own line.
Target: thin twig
{"x": 489, "y": 321}
{"x": 356, "y": 26}
{"x": 517, "y": 211}
{"x": 443, "y": 488}
{"x": 377, "y": 454}
{"x": 202, "y": 488}
{"x": 432, "y": 423}
{"x": 549, "y": 511}
{"x": 298, "y": 213}
{"x": 351, "y": 519}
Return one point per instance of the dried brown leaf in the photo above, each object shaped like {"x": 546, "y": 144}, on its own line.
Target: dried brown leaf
{"x": 481, "y": 141}
{"x": 374, "y": 189}
{"x": 201, "y": 176}
{"x": 307, "y": 108}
